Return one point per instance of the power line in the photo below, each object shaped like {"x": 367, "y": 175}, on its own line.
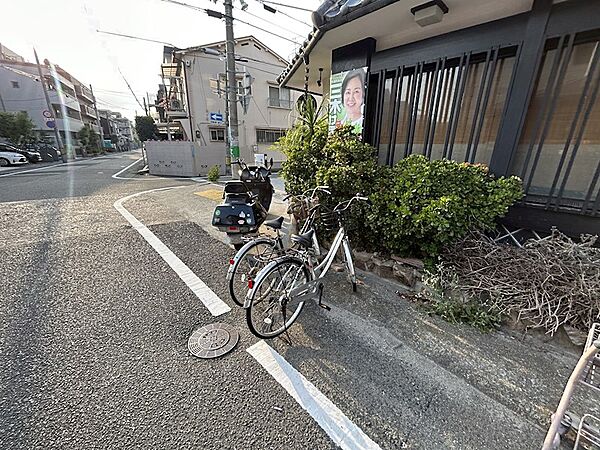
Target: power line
{"x": 273, "y": 10}
{"x": 219, "y": 15}
{"x": 266, "y": 31}
{"x": 134, "y": 37}
{"x": 268, "y": 21}
{"x": 129, "y": 86}
{"x": 286, "y": 6}
{"x": 241, "y": 63}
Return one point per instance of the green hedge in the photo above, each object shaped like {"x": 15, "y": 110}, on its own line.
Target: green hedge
{"x": 419, "y": 206}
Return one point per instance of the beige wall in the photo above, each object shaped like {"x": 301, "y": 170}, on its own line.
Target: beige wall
{"x": 200, "y": 68}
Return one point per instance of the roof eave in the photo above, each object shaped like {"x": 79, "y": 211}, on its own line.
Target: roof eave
{"x": 300, "y": 58}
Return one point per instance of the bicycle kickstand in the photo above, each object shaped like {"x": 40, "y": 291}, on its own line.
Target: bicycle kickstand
{"x": 321, "y": 304}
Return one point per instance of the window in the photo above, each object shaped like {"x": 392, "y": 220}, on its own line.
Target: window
{"x": 268, "y": 136}
{"x": 217, "y": 134}
{"x": 57, "y": 111}
{"x": 15, "y": 84}
{"x": 558, "y": 155}
{"x": 449, "y": 108}
{"x": 279, "y": 97}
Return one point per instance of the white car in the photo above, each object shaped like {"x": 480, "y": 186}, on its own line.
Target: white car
{"x": 10, "y": 159}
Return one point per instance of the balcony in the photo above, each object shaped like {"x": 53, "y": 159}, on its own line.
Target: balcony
{"x": 84, "y": 93}
{"x": 87, "y": 111}
{"x": 175, "y": 109}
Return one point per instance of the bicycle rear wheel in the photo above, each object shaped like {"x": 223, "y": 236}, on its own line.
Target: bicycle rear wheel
{"x": 271, "y": 310}
{"x": 247, "y": 265}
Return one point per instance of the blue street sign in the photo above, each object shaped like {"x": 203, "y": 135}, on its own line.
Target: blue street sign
{"x": 215, "y": 117}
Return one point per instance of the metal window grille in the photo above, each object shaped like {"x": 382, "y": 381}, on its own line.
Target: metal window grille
{"x": 269, "y": 136}
{"x": 450, "y": 107}
{"x": 558, "y": 156}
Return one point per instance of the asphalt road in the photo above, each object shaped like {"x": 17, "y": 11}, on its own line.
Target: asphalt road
{"x": 94, "y": 327}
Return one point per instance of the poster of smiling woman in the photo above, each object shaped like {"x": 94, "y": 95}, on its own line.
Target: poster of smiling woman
{"x": 347, "y": 99}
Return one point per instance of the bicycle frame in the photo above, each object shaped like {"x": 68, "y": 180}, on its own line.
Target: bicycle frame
{"x": 309, "y": 290}
{"x": 277, "y": 248}
{"x": 341, "y": 239}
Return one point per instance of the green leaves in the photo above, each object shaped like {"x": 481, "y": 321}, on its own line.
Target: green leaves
{"x": 213, "y": 174}
{"x": 146, "y": 128}
{"x": 17, "y": 127}
{"x": 419, "y": 206}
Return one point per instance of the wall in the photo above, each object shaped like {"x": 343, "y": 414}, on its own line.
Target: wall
{"x": 200, "y": 68}
{"x": 181, "y": 158}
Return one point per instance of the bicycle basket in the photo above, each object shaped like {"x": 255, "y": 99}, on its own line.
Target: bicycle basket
{"x": 328, "y": 220}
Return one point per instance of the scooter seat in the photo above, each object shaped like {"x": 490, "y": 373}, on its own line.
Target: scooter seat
{"x": 305, "y": 240}
{"x": 275, "y": 223}
{"x": 235, "y": 187}
{"x": 238, "y": 198}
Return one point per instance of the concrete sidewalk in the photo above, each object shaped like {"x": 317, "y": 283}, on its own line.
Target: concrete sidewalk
{"x": 412, "y": 378}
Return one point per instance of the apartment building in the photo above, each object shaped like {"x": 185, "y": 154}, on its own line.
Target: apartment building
{"x": 191, "y": 99}
{"x": 21, "y": 89}
{"x": 117, "y": 130}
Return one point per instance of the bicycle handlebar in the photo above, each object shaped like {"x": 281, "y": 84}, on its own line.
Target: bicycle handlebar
{"x": 312, "y": 191}
{"x": 357, "y": 197}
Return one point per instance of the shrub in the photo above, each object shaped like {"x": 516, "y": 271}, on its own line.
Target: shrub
{"x": 420, "y": 206}
{"x": 303, "y": 146}
{"x": 213, "y": 174}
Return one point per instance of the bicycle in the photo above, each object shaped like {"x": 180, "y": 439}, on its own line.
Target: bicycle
{"x": 277, "y": 295}
{"x": 258, "y": 252}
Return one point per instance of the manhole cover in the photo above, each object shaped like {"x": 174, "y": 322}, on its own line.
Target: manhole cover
{"x": 212, "y": 341}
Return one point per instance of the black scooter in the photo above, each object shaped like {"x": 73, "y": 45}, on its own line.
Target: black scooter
{"x": 246, "y": 202}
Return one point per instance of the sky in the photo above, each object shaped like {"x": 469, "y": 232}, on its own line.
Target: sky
{"x": 64, "y": 31}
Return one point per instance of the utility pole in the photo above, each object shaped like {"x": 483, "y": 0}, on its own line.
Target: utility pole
{"x": 231, "y": 83}
{"x": 2, "y": 103}
{"x": 145, "y": 106}
{"x": 227, "y": 151}
{"x": 98, "y": 119}
{"x": 50, "y": 109}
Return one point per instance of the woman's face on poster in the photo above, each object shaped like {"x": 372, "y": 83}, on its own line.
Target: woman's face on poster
{"x": 353, "y": 98}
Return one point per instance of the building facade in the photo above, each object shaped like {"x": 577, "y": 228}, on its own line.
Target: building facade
{"x": 117, "y": 130}
{"x": 72, "y": 102}
{"x": 191, "y": 100}
{"x": 512, "y": 85}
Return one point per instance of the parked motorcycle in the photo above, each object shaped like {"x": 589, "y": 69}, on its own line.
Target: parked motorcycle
{"x": 246, "y": 202}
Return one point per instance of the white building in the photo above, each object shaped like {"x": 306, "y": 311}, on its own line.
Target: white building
{"x": 191, "y": 100}
{"x": 115, "y": 126}
{"x": 21, "y": 90}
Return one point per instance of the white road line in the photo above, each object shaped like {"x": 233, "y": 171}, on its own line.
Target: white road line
{"x": 154, "y": 178}
{"x": 50, "y": 167}
{"x": 329, "y": 417}
{"x": 116, "y": 175}
{"x": 213, "y": 303}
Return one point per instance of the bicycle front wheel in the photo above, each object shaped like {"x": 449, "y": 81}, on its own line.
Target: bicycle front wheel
{"x": 248, "y": 262}
{"x": 272, "y": 310}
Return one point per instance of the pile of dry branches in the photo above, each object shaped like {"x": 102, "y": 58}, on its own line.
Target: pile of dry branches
{"x": 547, "y": 283}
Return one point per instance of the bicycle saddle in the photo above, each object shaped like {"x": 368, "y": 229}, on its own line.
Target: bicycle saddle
{"x": 275, "y": 223}
{"x": 305, "y": 240}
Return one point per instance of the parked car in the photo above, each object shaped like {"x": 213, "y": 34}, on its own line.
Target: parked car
{"x": 48, "y": 152}
{"x": 11, "y": 158}
{"x": 31, "y": 155}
